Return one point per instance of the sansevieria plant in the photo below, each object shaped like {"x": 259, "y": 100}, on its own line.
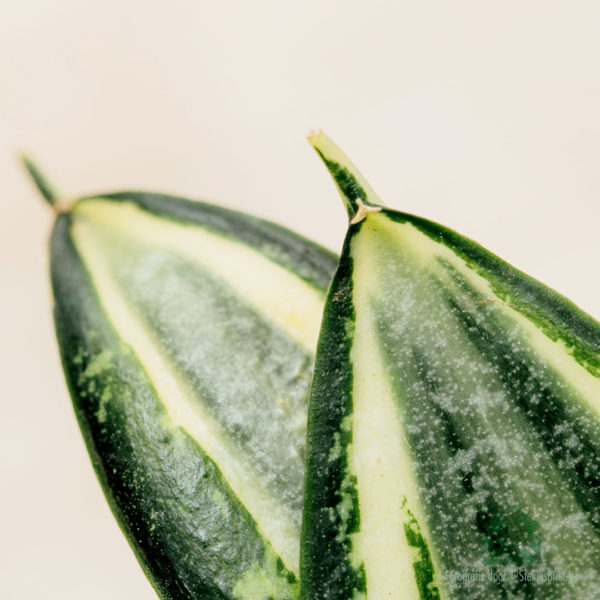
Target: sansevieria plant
{"x": 453, "y": 440}
{"x": 454, "y": 421}
{"x": 187, "y": 334}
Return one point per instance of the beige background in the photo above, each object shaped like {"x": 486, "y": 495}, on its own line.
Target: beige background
{"x": 481, "y": 115}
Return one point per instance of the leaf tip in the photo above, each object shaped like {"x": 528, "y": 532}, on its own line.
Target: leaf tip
{"x": 358, "y": 196}
{"x": 43, "y": 185}
{"x": 313, "y": 136}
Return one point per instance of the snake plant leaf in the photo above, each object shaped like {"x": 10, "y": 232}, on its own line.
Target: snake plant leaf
{"x": 454, "y": 422}
{"x": 187, "y": 334}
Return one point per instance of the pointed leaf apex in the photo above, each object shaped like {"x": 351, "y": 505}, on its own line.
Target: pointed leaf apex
{"x": 359, "y": 197}
{"x": 45, "y": 188}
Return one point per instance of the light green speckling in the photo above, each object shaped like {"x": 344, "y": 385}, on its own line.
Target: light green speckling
{"x": 346, "y": 423}
{"x": 78, "y": 358}
{"x": 355, "y": 558}
{"x": 152, "y": 520}
{"x": 104, "y": 400}
{"x": 101, "y": 362}
{"x": 261, "y": 582}
{"x": 345, "y": 506}
{"x": 349, "y": 325}
{"x": 336, "y": 449}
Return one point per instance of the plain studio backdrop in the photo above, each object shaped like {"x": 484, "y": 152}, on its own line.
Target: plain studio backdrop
{"x": 481, "y": 115}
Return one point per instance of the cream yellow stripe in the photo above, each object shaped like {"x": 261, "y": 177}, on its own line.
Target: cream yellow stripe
{"x": 273, "y": 518}
{"x": 291, "y": 304}
{"x": 380, "y": 455}
{"x": 555, "y": 352}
